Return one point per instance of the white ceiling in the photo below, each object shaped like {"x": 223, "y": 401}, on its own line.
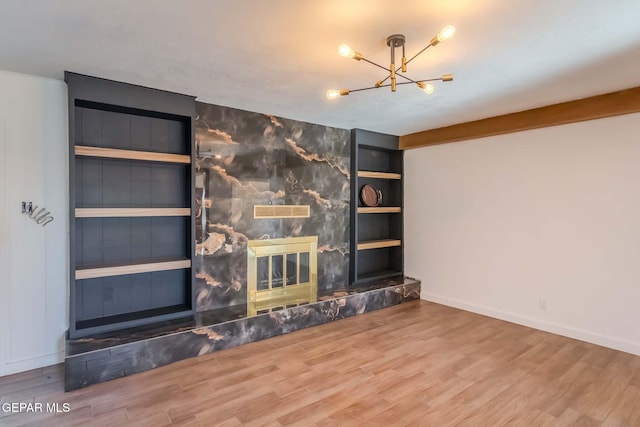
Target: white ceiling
{"x": 279, "y": 56}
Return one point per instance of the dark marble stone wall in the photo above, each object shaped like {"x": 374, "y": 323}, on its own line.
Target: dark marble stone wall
{"x": 245, "y": 159}
{"x": 92, "y": 361}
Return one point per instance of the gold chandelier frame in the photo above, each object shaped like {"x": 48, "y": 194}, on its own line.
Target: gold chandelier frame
{"x": 395, "y": 41}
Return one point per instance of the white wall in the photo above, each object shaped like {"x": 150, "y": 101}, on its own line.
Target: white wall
{"x": 495, "y": 225}
{"x": 34, "y": 259}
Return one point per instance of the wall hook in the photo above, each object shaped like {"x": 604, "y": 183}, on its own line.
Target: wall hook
{"x": 42, "y": 216}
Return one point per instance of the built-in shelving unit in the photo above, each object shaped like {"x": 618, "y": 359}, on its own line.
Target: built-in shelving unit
{"x": 376, "y": 232}
{"x": 132, "y": 221}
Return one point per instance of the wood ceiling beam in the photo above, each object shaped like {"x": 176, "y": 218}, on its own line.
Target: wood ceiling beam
{"x": 595, "y": 107}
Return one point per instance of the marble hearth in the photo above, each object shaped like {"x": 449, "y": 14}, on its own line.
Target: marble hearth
{"x": 102, "y": 358}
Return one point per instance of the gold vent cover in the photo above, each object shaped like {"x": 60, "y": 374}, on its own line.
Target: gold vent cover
{"x": 281, "y": 211}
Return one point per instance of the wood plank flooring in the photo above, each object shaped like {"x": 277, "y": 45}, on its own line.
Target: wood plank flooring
{"x": 416, "y": 364}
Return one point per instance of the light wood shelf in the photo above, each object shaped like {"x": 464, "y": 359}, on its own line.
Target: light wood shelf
{"x": 113, "y": 153}
{"x": 92, "y": 273}
{"x": 387, "y": 209}
{"x": 130, "y": 212}
{"x": 375, "y": 244}
{"x": 381, "y": 175}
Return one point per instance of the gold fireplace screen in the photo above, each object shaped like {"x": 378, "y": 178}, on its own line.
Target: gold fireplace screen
{"x": 281, "y": 273}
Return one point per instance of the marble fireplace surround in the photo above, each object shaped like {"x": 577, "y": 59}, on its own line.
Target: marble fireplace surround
{"x": 245, "y": 159}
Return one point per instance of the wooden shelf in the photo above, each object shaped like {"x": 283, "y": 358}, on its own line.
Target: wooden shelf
{"x": 130, "y": 212}
{"x": 92, "y": 273}
{"x": 381, "y": 175}
{"x": 375, "y": 244}
{"x": 112, "y": 153}
{"x": 387, "y": 209}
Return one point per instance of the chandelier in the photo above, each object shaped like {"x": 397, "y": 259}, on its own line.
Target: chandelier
{"x": 395, "y": 41}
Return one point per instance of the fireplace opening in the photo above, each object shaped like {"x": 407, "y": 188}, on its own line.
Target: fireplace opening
{"x": 281, "y": 273}
{"x": 296, "y": 270}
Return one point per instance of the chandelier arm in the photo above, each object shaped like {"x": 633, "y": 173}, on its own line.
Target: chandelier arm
{"x": 408, "y": 83}
{"x": 377, "y": 65}
{"x": 407, "y": 62}
{"x": 389, "y": 84}
{"x": 429, "y": 80}
{"x": 364, "y": 88}
{"x": 406, "y": 78}
{"x": 416, "y": 55}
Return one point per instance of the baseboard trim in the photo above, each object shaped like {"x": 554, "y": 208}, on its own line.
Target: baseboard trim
{"x": 567, "y": 331}
{"x": 14, "y": 367}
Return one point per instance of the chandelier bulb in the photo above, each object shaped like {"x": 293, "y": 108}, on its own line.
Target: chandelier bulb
{"x": 426, "y": 87}
{"x": 334, "y": 93}
{"x": 347, "y": 52}
{"x": 445, "y": 34}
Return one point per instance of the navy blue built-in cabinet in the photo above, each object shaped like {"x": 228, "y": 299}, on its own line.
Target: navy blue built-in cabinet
{"x": 131, "y": 214}
{"x": 376, "y": 231}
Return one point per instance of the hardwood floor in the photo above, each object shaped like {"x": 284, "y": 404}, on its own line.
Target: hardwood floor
{"x": 416, "y": 364}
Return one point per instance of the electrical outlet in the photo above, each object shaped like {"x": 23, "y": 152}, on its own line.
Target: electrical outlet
{"x": 542, "y": 303}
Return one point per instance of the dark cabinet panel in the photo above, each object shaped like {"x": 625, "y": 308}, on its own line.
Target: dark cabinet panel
{"x": 112, "y": 183}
